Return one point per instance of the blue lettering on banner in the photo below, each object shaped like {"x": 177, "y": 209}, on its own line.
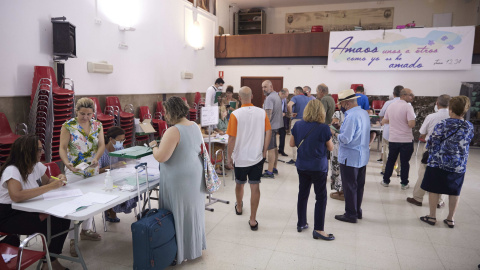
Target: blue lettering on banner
{"x": 406, "y": 65}
{"x": 344, "y": 49}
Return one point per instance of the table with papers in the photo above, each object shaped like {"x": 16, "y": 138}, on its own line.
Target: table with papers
{"x": 87, "y": 198}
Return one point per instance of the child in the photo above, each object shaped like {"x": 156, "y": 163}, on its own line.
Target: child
{"x": 336, "y": 183}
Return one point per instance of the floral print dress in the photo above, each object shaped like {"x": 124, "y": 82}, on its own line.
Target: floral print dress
{"x": 83, "y": 147}
{"x": 336, "y": 180}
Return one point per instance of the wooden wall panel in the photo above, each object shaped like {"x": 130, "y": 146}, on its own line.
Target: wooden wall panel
{"x": 272, "y": 45}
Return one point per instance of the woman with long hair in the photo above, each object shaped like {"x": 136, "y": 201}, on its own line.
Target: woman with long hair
{"x": 22, "y": 178}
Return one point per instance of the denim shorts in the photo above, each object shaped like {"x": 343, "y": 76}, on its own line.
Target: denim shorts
{"x": 253, "y": 172}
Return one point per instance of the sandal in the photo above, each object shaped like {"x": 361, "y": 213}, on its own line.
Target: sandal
{"x": 446, "y": 221}
{"x": 253, "y": 228}
{"x": 427, "y": 219}
{"x": 236, "y": 212}
{"x": 90, "y": 235}
{"x": 109, "y": 219}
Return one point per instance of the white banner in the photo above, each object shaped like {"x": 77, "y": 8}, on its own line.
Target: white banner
{"x": 443, "y": 48}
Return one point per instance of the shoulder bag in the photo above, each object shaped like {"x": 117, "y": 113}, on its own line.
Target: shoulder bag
{"x": 307, "y": 135}
{"x": 212, "y": 182}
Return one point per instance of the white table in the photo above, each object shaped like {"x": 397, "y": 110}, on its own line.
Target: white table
{"x": 92, "y": 184}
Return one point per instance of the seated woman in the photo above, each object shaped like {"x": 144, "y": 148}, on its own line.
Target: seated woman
{"x": 182, "y": 190}
{"x": 447, "y": 162}
{"x": 22, "y": 178}
{"x": 222, "y": 125}
{"x": 115, "y": 137}
{"x": 374, "y": 122}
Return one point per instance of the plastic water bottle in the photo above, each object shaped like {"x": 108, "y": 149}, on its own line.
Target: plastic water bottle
{"x": 108, "y": 181}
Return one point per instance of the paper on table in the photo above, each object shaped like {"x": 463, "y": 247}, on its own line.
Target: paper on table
{"x": 98, "y": 197}
{"x": 66, "y": 208}
{"x": 53, "y": 195}
{"x": 8, "y": 257}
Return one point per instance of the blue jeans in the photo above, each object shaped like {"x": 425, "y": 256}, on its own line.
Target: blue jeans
{"x": 319, "y": 181}
{"x": 405, "y": 150}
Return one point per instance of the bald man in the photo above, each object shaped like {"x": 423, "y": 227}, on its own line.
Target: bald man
{"x": 249, "y": 134}
{"x": 273, "y": 107}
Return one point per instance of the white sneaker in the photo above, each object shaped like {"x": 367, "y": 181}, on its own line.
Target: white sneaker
{"x": 405, "y": 187}
{"x": 384, "y": 184}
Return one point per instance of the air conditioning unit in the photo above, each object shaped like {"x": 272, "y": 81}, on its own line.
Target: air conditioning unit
{"x": 187, "y": 75}
{"x": 99, "y": 67}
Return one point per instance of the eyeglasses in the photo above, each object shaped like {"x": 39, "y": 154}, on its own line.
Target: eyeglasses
{"x": 120, "y": 140}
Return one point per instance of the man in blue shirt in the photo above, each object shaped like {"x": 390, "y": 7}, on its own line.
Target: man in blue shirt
{"x": 353, "y": 154}
{"x": 295, "y": 108}
{"x": 362, "y": 99}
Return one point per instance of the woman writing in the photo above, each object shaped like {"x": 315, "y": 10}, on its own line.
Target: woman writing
{"x": 81, "y": 141}
{"x": 313, "y": 138}
{"x": 22, "y": 178}
{"x": 182, "y": 190}
{"x": 447, "y": 162}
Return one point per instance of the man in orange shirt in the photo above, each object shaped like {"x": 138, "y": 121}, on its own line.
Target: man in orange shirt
{"x": 249, "y": 134}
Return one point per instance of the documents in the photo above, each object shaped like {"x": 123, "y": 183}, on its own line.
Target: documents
{"x": 53, "y": 195}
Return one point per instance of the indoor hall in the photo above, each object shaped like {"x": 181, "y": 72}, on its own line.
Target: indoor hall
{"x": 138, "y": 54}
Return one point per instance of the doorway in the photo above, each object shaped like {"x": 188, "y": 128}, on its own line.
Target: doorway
{"x": 255, "y": 83}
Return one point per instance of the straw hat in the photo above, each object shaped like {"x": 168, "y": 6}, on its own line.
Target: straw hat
{"x": 346, "y": 95}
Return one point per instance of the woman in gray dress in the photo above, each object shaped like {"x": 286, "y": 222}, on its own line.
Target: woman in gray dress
{"x": 182, "y": 186}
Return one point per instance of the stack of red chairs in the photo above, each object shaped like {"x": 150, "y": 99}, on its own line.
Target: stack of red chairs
{"x": 377, "y": 105}
{"x": 124, "y": 119}
{"x": 192, "y": 115}
{"x": 7, "y": 137}
{"x": 107, "y": 120}
{"x": 199, "y": 102}
{"x": 159, "y": 125}
{"x": 62, "y": 107}
{"x": 162, "y": 125}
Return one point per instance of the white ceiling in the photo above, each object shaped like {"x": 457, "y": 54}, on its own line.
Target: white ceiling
{"x": 288, "y": 3}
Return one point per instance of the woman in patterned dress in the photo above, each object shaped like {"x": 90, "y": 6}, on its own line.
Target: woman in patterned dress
{"x": 82, "y": 140}
{"x": 448, "y": 154}
{"x": 336, "y": 180}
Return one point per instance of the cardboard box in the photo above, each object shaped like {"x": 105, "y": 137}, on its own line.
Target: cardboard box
{"x": 144, "y": 127}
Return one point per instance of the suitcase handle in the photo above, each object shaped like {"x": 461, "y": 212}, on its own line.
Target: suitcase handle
{"x": 144, "y": 165}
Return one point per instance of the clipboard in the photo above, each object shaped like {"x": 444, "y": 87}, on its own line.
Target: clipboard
{"x": 233, "y": 104}
{"x": 217, "y": 96}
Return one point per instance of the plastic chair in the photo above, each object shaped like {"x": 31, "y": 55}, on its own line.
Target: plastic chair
{"x": 377, "y": 105}
{"x": 25, "y": 257}
{"x": 6, "y": 134}
{"x": 159, "y": 110}
{"x": 52, "y": 169}
{"x": 354, "y": 86}
{"x": 100, "y": 115}
{"x": 114, "y": 102}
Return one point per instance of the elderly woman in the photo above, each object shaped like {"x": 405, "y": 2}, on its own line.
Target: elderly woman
{"x": 22, "y": 178}
{"x": 448, "y": 153}
{"x": 313, "y": 138}
{"x": 82, "y": 141}
{"x": 181, "y": 184}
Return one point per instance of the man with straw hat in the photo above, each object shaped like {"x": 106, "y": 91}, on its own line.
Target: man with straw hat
{"x": 353, "y": 154}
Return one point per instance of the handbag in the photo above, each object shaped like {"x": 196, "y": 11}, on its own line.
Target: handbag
{"x": 212, "y": 181}
{"x": 426, "y": 154}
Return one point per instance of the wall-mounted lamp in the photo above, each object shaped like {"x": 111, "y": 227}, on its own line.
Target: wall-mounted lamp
{"x": 123, "y": 28}
{"x": 195, "y": 38}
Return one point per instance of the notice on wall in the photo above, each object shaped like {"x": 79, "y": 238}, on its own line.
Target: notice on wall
{"x": 209, "y": 116}
{"x": 443, "y": 48}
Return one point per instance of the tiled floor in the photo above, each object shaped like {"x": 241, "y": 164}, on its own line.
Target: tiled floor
{"x": 390, "y": 235}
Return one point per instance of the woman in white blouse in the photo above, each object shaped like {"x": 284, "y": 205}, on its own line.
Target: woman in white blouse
{"x": 22, "y": 178}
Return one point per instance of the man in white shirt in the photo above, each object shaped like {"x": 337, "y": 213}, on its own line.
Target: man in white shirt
{"x": 249, "y": 134}
{"x": 386, "y": 129}
{"x": 425, "y": 131}
{"x": 211, "y": 92}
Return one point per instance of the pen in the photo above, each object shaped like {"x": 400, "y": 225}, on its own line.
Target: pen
{"x": 56, "y": 178}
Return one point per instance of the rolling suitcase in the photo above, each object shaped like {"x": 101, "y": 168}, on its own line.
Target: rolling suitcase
{"x": 153, "y": 235}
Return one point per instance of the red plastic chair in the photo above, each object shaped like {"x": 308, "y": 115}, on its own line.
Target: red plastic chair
{"x": 25, "y": 257}
{"x": 377, "y": 105}
{"x": 52, "y": 169}
{"x": 100, "y": 115}
{"x": 354, "y": 86}
{"x": 335, "y": 98}
{"x": 6, "y": 134}
{"x": 114, "y": 102}
{"x": 198, "y": 97}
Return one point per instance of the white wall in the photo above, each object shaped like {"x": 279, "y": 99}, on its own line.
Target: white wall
{"x": 405, "y": 11}
{"x": 153, "y": 62}
{"x": 225, "y": 15}
{"x": 423, "y": 83}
